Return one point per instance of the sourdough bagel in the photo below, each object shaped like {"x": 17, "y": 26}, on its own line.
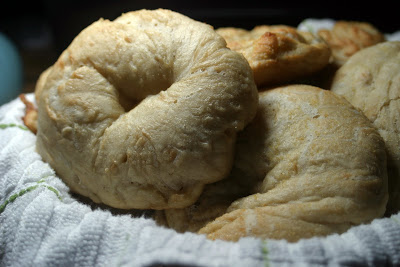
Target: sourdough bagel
{"x": 348, "y": 37}
{"x": 142, "y": 112}
{"x": 278, "y": 54}
{"x": 370, "y": 80}
{"x": 317, "y": 166}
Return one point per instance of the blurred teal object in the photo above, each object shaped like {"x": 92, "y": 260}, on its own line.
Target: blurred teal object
{"x": 11, "y": 71}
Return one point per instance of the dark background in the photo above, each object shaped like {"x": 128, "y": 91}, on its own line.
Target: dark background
{"x": 43, "y": 29}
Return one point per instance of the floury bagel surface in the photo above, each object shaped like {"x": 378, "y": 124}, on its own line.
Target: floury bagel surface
{"x": 370, "y": 80}
{"x": 292, "y": 177}
{"x": 142, "y": 112}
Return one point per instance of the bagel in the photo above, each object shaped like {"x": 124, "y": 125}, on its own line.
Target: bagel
{"x": 370, "y": 80}
{"x": 278, "y": 54}
{"x": 312, "y": 165}
{"x": 141, "y": 112}
{"x": 348, "y": 37}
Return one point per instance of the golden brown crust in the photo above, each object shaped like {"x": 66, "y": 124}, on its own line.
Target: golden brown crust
{"x": 297, "y": 154}
{"x": 30, "y": 117}
{"x": 348, "y": 37}
{"x": 279, "y": 53}
{"x": 370, "y": 80}
{"x": 185, "y": 97}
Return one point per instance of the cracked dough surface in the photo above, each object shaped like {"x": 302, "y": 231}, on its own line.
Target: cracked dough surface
{"x": 370, "y": 80}
{"x": 317, "y": 166}
{"x": 142, "y": 112}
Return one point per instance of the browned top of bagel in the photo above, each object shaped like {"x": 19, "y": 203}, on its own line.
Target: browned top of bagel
{"x": 278, "y": 54}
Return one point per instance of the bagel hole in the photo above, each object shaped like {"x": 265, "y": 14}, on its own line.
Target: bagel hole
{"x": 131, "y": 95}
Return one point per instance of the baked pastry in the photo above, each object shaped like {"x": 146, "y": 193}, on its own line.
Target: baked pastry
{"x": 317, "y": 165}
{"x": 370, "y": 80}
{"x": 348, "y": 37}
{"x": 278, "y": 54}
{"x": 142, "y": 112}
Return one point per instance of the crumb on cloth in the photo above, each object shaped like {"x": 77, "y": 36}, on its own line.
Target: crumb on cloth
{"x": 30, "y": 117}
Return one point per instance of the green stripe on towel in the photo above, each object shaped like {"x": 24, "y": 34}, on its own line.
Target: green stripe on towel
{"x": 4, "y": 126}
{"x": 264, "y": 250}
{"x": 29, "y": 189}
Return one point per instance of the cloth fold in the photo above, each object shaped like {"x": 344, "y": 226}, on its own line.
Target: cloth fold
{"x": 42, "y": 224}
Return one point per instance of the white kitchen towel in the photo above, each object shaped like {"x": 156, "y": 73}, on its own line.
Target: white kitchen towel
{"x": 313, "y": 25}
{"x": 42, "y": 224}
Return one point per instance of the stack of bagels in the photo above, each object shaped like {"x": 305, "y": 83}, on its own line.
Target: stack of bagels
{"x": 271, "y": 132}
